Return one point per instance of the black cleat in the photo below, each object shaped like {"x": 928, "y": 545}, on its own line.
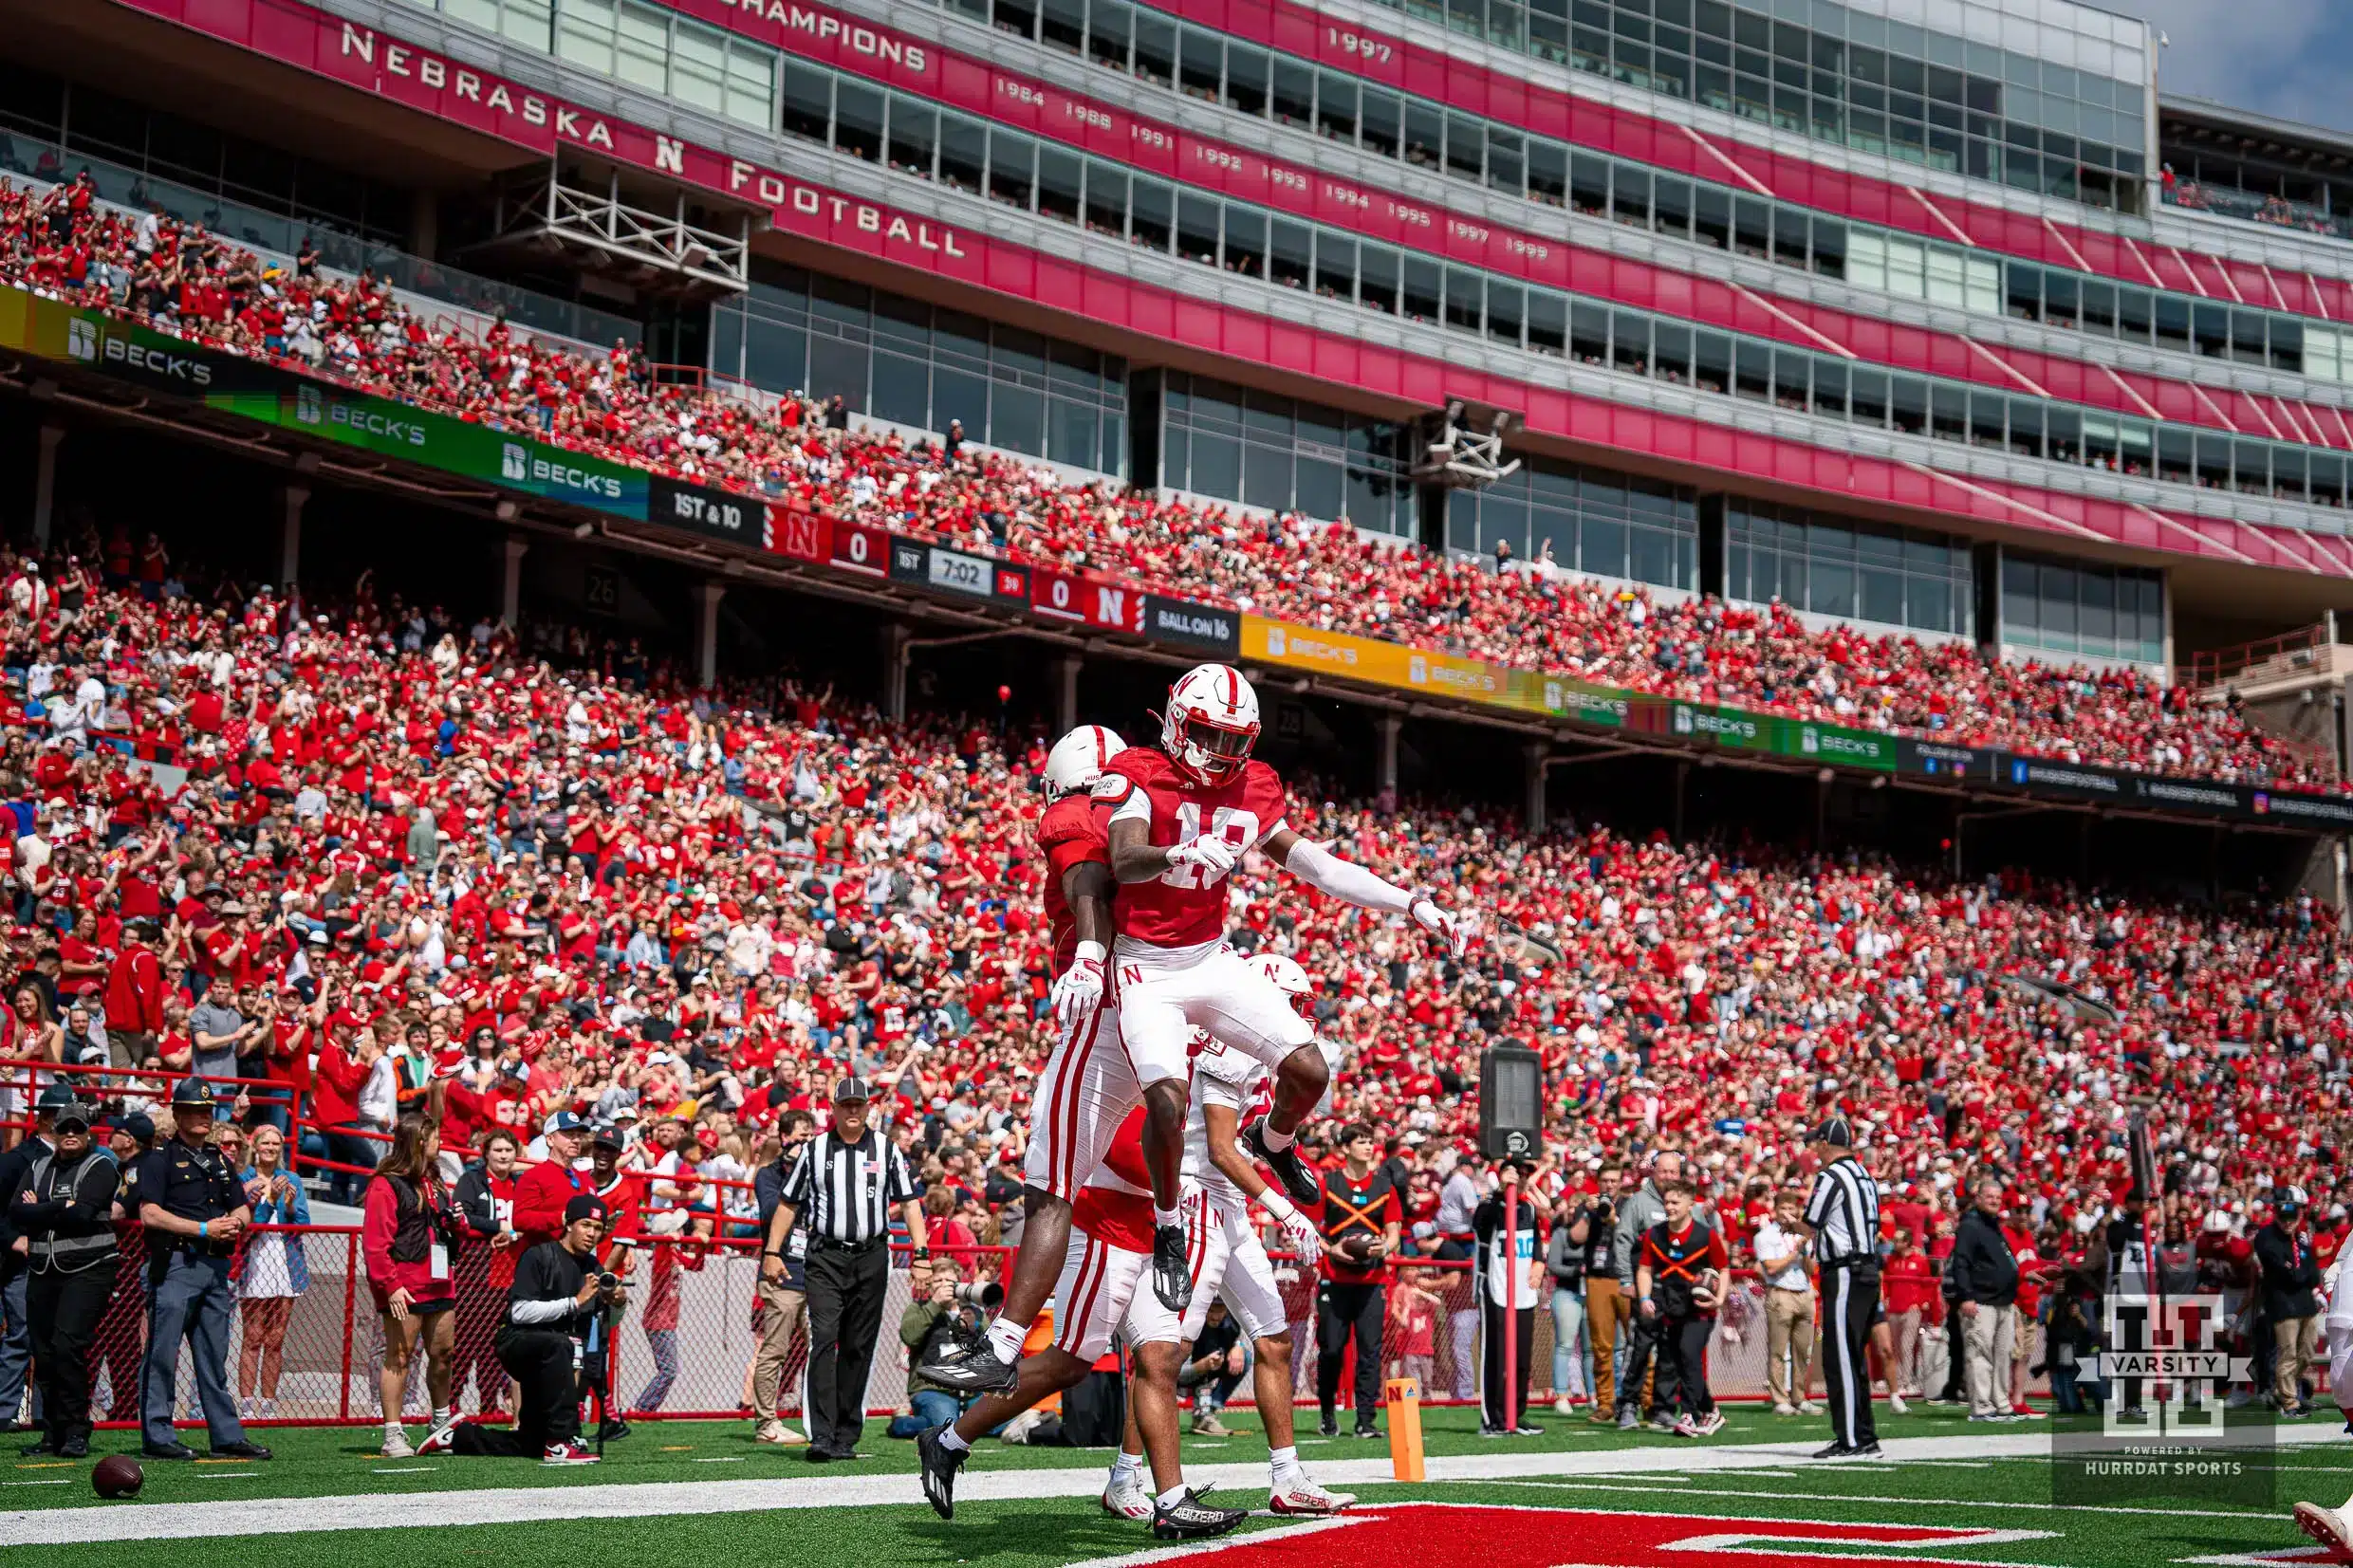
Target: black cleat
{"x": 1836, "y": 1450}
{"x": 613, "y": 1431}
{"x": 1172, "y": 1273}
{"x": 1298, "y": 1181}
{"x": 1190, "y": 1518}
{"x": 969, "y": 1369}
{"x": 74, "y": 1447}
{"x": 939, "y": 1470}
{"x": 1868, "y": 1450}
{"x": 1329, "y": 1428}
{"x": 1367, "y": 1429}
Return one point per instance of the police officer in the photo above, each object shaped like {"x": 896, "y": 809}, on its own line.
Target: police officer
{"x": 64, "y": 1208}
{"x": 193, "y": 1210}
{"x": 15, "y": 1322}
{"x": 1843, "y": 1220}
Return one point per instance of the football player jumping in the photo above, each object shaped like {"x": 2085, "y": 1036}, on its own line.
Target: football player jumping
{"x": 1178, "y": 819}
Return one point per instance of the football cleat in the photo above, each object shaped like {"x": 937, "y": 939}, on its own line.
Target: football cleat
{"x": 1301, "y": 1496}
{"x": 1299, "y": 1183}
{"x": 1190, "y": 1518}
{"x": 2329, "y": 1527}
{"x": 940, "y": 1464}
{"x": 1129, "y": 1499}
{"x": 969, "y": 1369}
{"x": 1172, "y": 1272}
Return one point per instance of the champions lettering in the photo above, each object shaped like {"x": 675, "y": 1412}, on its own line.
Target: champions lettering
{"x": 824, "y": 25}
{"x": 406, "y": 61}
{"x": 809, "y": 202}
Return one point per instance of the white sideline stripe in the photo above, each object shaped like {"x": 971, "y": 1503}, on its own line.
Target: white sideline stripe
{"x": 638, "y": 1499}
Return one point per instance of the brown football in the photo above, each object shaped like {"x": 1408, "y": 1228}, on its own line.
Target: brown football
{"x": 1356, "y": 1247}
{"x": 117, "y": 1475}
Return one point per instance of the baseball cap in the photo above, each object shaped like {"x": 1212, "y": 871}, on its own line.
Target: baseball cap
{"x": 72, "y": 1114}
{"x": 563, "y": 1121}
{"x": 607, "y": 1135}
{"x": 585, "y": 1205}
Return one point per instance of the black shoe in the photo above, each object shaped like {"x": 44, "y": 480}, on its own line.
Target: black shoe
{"x": 239, "y": 1449}
{"x": 74, "y": 1447}
{"x": 1172, "y": 1272}
{"x": 1836, "y": 1450}
{"x": 1367, "y": 1429}
{"x": 969, "y": 1369}
{"x": 166, "y": 1451}
{"x": 1867, "y": 1451}
{"x": 1527, "y": 1428}
{"x": 816, "y": 1455}
{"x": 1329, "y": 1428}
{"x": 1488, "y": 1430}
{"x": 1301, "y": 1184}
{"x": 34, "y": 1450}
{"x": 1190, "y": 1518}
{"x": 940, "y": 1464}
{"x": 613, "y": 1431}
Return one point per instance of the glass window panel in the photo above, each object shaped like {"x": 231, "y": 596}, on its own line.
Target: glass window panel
{"x": 857, "y": 118}
{"x": 1059, "y": 183}
{"x": 914, "y": 135}
{"x": 1248, "y": 74}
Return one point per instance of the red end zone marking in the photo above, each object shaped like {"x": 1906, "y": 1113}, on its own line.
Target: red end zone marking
{"x": 1411, "y": 1535}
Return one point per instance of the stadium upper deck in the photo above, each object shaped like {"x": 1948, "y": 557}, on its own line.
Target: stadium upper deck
{"x": 1877, "y": 310}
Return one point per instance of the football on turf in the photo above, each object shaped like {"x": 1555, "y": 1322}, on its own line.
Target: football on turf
{"x": 117, "y": 1475}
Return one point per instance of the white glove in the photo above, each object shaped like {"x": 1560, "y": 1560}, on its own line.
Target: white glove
{"x": 1456, "y": 929}
{"x": 1079, "y": 987}
{"x": 1305, "y": 1240}
{"x": 1208, "y": 852}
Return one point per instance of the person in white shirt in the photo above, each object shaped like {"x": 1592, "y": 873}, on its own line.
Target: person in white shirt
{"x": 1781, "y": 1248}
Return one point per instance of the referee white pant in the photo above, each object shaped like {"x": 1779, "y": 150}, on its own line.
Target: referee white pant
{"x": 1850, "y": 1297}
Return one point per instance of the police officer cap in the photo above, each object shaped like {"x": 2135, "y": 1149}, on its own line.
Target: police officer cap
{"x": 56, "y": 1097}
{"x": 193, "y": 1092}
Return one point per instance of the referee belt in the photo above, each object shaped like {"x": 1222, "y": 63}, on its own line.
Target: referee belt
{"x": 1859, "y": 1261}
{"x": 827, "y": 1244}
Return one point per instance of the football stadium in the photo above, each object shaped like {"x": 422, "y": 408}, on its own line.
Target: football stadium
{"x": 1076, "y": 782}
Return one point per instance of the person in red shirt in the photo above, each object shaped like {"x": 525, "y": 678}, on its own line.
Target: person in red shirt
{"x": 135, "y": 997}
{"x": 1911, "y": 1286}
{"x": 406, "y": 1237}
{"x": 543, "y": 1190}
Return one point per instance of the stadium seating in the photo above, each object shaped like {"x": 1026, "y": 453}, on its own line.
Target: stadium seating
{"x": 61, "y": 241}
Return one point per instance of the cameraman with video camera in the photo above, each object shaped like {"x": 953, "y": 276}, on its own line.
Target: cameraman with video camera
{"x": 559, "y": 1296}
{"x": 948, "y": 1308}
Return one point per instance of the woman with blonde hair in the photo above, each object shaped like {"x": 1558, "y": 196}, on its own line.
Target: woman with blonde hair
{"x": 408, "y": 1235}
{"x": 272, "y": 1271}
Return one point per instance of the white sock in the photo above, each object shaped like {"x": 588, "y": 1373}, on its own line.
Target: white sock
{"x": 1163, "y": 1216}
{"x": 950, "y": 1440}
{"x": 440, "y": 1415}
{"x": 1283, "y": 1462}
{"x": 1126, "y": 1468}
{"x": 1277, "y": 1142}
{"x": 1006, "y": 1336}
{"x": 392, "y": 1425}
{"x": 1172, "y": 1497}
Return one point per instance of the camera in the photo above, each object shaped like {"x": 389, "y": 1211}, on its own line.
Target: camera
{"x": 608, "y": 1281}
{"x": 986, "y": 1297}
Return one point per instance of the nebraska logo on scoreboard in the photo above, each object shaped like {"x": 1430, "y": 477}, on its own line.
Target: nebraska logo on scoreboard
{"x": 1105, "y": 606}
{"x": 1400, "y": 1536}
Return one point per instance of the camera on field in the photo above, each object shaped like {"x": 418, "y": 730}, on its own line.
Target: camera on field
{"x": 986, "y": 1297}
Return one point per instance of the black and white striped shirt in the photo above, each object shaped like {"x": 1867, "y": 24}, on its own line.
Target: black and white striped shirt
{"x": 1843, "y": 1209}
{"x": 844, "y": 1191}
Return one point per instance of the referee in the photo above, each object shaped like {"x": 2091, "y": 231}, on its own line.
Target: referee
{"x": 845, "y": 1181}
{"x": 1843, "y": 1218}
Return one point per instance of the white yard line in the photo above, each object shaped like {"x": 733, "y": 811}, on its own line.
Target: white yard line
{"x": 638, "y": 1499}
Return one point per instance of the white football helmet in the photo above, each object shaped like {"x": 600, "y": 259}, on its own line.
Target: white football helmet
{"x": 1289, "y": 978}
{"x": 1077, "y": 760}
{"x": 1211, "y": 724}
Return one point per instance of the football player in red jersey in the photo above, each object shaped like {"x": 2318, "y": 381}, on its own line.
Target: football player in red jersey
{"x": 1103, "y": 1263}
{"x": 1087, "y": 1088}
{"x": 1177, "y": 820}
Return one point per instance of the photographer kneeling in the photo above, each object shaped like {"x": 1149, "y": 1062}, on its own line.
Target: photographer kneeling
{"x": 558, "y": 1293}
{"x": 949, "y": 1308}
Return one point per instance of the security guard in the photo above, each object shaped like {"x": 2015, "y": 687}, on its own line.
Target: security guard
{"x": 15, "y": 1322}
{"x": 193, "y": 1210}
{"x": 64, "y": 1208}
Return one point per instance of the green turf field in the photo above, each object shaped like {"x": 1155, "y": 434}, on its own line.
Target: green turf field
{"x": 1579, "y": 1497}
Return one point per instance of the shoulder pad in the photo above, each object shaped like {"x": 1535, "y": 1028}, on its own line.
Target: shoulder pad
{"x": 1110, "y": 788}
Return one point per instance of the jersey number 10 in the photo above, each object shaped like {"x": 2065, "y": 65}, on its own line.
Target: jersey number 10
{"x": 1231, "y": 824}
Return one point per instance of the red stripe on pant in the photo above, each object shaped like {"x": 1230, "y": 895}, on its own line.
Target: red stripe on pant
{"x": 1062, "y": 1107}
{"x": 1083, "y": 1053}
{"x": 1083, "y": 1294}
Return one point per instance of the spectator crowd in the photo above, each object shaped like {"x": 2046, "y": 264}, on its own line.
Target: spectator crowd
{"x": 62, "y": 240}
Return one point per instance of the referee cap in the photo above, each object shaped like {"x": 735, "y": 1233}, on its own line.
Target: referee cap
{"x": 852, "y": 1088}
{"x": 1835, "y": 1133}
